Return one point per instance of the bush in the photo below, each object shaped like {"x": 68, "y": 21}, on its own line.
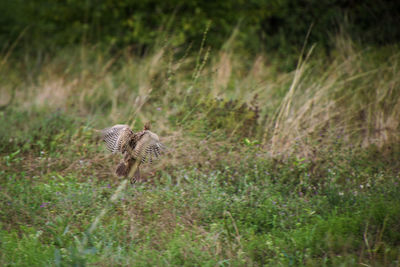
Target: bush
{"x": 272, "y": 25}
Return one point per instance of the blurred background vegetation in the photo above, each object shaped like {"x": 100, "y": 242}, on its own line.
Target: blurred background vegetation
{"x": 278, "y": 25}
{"x": 281, "y": 119}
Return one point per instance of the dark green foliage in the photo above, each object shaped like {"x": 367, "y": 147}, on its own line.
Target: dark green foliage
{"x": 274, "y": 25}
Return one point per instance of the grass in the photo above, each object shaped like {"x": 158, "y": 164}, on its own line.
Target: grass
{"x": 263, "y": 167}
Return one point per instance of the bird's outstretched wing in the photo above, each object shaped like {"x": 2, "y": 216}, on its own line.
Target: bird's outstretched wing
{"x": 117, "y": 137}
{"x": 148, "y": 147}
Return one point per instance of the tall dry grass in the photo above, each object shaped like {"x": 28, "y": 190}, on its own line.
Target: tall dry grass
{"x": 353, "y": 94}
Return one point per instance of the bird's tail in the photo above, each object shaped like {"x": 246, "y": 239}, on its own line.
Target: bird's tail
{"x": 123, "y": 168}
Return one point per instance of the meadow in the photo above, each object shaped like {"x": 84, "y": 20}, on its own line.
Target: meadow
{"x": 265, "y": 165}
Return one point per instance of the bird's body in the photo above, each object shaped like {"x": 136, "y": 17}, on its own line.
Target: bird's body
{"x": 136, "y": 148}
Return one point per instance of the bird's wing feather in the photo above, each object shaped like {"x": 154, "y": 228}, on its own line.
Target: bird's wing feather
{"x": 148, "y": 147}
{"x": 116, "y": 137}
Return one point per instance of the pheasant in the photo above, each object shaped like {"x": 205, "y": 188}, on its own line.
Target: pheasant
{"x": 137, "y": 148}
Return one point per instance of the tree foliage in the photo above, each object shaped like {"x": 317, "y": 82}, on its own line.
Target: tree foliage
{"x": 262, "y": 24}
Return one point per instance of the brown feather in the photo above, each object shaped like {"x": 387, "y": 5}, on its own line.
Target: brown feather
{"x": 122, "y": 169}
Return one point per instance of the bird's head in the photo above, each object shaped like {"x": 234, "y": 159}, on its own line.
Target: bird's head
{"x": 147, "y": 126}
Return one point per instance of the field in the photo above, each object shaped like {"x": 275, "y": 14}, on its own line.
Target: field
{"x": 264, "y": 165}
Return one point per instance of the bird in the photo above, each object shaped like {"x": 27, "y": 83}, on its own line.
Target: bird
{"x": 136, "y": 148}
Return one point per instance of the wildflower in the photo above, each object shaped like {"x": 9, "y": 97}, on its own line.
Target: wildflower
{"x": 44, "y": 204}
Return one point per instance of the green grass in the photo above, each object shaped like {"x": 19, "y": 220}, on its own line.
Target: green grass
{"x": 284, "y": 178}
